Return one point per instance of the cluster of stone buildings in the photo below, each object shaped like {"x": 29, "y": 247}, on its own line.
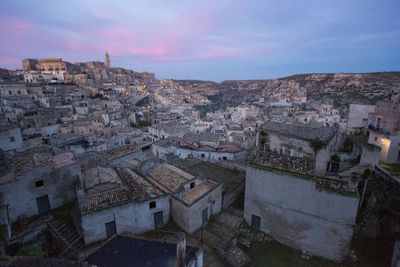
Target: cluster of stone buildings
{"x": 112, "y": 142}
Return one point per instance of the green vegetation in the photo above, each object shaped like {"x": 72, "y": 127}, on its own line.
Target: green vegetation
{"x": 64, "y": 211}
{"x": 229, "y": 178}
{"x": 203, "y": 109}
{"x": 335, "y": 158}
{"x": 144, "y": 123}
{"x": 347, "y": 145}
{"x": 100, "y": 96}
{"x": 394, "y": 169}
{"x": 273, "y": 253}
{"x": 28, "y": 250}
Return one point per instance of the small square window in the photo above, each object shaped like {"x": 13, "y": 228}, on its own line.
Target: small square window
{"x": 152, "y": 205}
{"x": 39, "y": 183}
{"x": 12, "y": 139}
{"x": 192, "y": 184}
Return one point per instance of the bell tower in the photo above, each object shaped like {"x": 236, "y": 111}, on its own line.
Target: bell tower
{"x": 107, "y": 61}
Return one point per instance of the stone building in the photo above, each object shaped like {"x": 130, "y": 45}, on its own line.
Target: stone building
{"x": 119, "y": 202}
{"x": 10, "y": 139}
{"x": 295, "y": 140}
{"x": 315, "y": 216}
{"x": 360, "y": 117}
{"x": 43, "y": 181}
{"x": 385, "y": 131}
{"x": 12, "y": 89}
{"x": 193, "y": 199}
{"x": 107, "y": 60}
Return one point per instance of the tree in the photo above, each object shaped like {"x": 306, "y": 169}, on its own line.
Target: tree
{"x": 316, "y": 144}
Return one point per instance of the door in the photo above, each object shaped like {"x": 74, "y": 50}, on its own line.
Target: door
{"x": 111, "y": 229}
{"x": 255, "y": 221}
{"x": 158, "y": 219}
{"x": 43, "y": 204}
{"x": 204, "y": 216}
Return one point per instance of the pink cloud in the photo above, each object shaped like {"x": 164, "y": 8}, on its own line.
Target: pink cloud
{"x": 9, "y": 61}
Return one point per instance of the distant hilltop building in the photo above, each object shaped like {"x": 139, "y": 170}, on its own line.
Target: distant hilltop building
{"x": 45, "y": 69}
{"x": 107, "y": 61}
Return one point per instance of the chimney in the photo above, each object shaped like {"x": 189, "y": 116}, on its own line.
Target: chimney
{"x": 181, "y": 249}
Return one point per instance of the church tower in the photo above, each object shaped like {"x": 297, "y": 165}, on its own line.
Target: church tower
{"x": 107, "y": 61}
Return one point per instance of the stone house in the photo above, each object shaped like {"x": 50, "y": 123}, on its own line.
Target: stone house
{"x": 119, "y": 202}
{"x": 385, "y": 131}
{"x": 162, "y": 147}
{"x": 165, "y": 130}
{"x": 10, "y": 139}
{"x": 316, "y": 216}
{"x": 295, "y": 140}
{"x": 184, "y": 149}
{"x": 193, "y": 199}
{"x": 13, "y": 89}
{"x": 44, "y": 181}
{"x": 360, "y": 117}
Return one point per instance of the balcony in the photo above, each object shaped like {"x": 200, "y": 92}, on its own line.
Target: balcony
{"x": 379, "y": 130}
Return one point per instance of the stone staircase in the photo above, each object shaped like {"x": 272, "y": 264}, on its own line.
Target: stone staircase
{"x": 216, "y": 233}
{"x": 71, "y": 242}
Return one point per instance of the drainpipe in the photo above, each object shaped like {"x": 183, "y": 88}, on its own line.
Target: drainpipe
{"x": 365, "y": 188}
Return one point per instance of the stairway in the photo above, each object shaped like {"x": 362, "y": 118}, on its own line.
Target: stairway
{"x": 65, "y": 232}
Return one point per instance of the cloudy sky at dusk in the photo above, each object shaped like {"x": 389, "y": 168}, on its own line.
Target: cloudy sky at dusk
{"x": 214, "y": 40}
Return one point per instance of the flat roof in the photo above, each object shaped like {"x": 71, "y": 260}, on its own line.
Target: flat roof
{"x": 198, "y": 191}
{"x": 126, "y": 251}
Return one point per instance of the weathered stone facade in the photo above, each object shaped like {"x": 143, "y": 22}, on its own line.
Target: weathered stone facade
{"x": 301, "y": 212}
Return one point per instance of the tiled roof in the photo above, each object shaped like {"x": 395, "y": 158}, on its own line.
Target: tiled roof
{"x": 100, "y": 175}
{"x": 32, "y": 160}
{"x": 169, "y": 177}
{"x": 117, "y": 152}
{"x": 196, "y": 137}
{"x": 140, "y": 188}
{"x": 105, "y": 200}
{"x": 300, "y": 131}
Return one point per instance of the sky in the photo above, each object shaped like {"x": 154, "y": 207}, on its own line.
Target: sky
{"x": 209, "y": 40}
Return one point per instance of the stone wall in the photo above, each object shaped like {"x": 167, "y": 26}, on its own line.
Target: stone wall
{"x": 370, "y": 155}
{"x": 358, "y": 116}
{"x": 189, "y": 218}
{"x": 58, "y": 184}
{"x": 292, "y": 164}
{"x": 299, "y": 213}
{"x": 131, "y": 218}
{"x": 232, "y": 195}
{"x": 10, "y": 139}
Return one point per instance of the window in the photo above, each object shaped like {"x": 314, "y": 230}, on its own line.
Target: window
{"x": 111, "y": 229}
{"x": 376, "y": 139}
{"x": 202, "y": 155}
{"x": 39, "y": 183}
{"x": 19, "y": 92}
{"x": 192, "y": 184}
{"x": 9, "y": 92}
{"x": 255, "y": 221}
{"x": 152, "y": 205}
{"x": 12, "y": 139}
{"x": 225, "y": 158}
